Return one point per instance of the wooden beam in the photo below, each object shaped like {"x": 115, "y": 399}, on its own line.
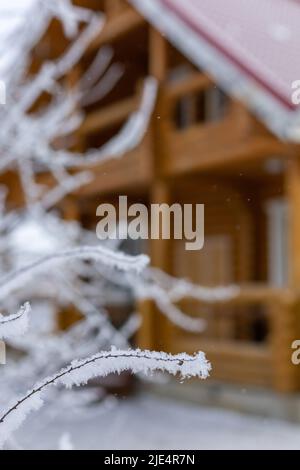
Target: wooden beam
{"x": 161, "y": 257}
{"x": 232, "y": 361}
{"x": 154, "y": 326}
{"x": 194, "y": 82}
{"x": 213, "y": 146}
{"x": 73, "y": 82}
{"x": 158, "y": 58}
{"x": 160, "y": 250}
{"x": 117, "y": 27}
{"x": 119, "y": 176}
{"x": 284, "y": 330}
{"x": 114, "y": 7}
{"x": 146, "y": 334}
{"x": 70, "y": 209}
{"x": 253, "y": 294}
{"x": 293, "y": 196}
{"x": 158, "y": 68}
{"x": 109, "y": 116}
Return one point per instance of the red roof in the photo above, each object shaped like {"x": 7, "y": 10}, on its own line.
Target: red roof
{"x": 251, "y": 47}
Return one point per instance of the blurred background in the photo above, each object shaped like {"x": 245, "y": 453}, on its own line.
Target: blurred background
{"x": 163, "y": 101}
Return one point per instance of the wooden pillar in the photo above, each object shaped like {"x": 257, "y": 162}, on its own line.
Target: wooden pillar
{"x": 72, "y": 83}
{"x": 161, "y": 257}
{"x": 293, "y": 196}
{"x": 158, "y": 55}
{"x": 156, "y": 329}
{"x": 153, "y": 330}
{"x": 241, "y": 116}
{"x": 114, "y": 7}
{"x": 283, "y": 320}
{"x": 285, "y": 316}
{"x": 70, "y": 209}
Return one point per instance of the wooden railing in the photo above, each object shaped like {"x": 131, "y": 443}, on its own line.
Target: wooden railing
{"x": 265, "y": 363}
{"x": 109, "y": 116}
{"x": 182, "y": 151}
{"x": 193, "y": 83}
{"x": 204, "y": 144}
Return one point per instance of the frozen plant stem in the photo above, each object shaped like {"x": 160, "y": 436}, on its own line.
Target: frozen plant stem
{"x": 15, "y": 325}
{"x": 100, "y": 365}
{"x": 105, "y": 256}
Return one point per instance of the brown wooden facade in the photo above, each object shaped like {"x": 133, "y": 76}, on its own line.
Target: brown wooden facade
{"x": 202, "y": 147}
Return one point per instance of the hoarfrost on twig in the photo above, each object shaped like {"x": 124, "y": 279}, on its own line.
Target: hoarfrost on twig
{"x": 100, "y": 365}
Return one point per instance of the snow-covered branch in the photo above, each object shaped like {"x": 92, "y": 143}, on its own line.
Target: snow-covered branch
{"x": 16, "y": 324}
{"x": 103, "y": 255}
{"x": 179, "y": 289}
{"x": 130, "y": 135}
{"x": 37, "y": 138}
{"x": 28, "y": 139}
{"x": 170, "y": 310}
{"x": 100, "y": 365}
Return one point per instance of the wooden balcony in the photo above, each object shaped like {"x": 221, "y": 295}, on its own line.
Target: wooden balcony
{"x": 233, "y": 138}
{"x": 205, "y": 147}
{"x": 266, "y": 363}
{"x": 169, "y": 151}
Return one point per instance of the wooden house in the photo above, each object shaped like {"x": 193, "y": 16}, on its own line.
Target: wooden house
{"x": 224, "y": 133}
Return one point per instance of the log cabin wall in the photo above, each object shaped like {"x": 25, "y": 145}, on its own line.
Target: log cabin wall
{"x": 201, "y": 147}
{"x": 196, "y": 153}
{"x": 228, "y": 233}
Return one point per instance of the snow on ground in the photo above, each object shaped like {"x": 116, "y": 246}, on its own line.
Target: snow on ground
{"x": 148, "y": 422}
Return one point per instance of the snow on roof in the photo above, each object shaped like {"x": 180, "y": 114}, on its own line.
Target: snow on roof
{"x": 251, "y": 49}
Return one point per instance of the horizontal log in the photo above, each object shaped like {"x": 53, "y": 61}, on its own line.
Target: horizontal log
{"x": 193, "y": 83}
{"x": 215, "y": 145}
{"x": 233, "y": 361}
{"x": 108, "y": 116}
{"x": 133, "y": 171}
{"x": 117, "y": 27}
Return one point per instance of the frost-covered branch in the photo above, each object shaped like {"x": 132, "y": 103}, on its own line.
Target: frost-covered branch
{"x": 130, "y": 135}
{"x": 16, "y": 324}
{"x": 100, "y": 365}
{"x": 169, "y": 309}
{"x": 103, "y": 255}
{"x": 38, "y": 137}
{"x": 179, "y": 289}
{"x": 28, "y": 139}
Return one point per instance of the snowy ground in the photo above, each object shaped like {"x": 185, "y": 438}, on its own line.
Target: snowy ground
{"x": 149, "y": 422}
